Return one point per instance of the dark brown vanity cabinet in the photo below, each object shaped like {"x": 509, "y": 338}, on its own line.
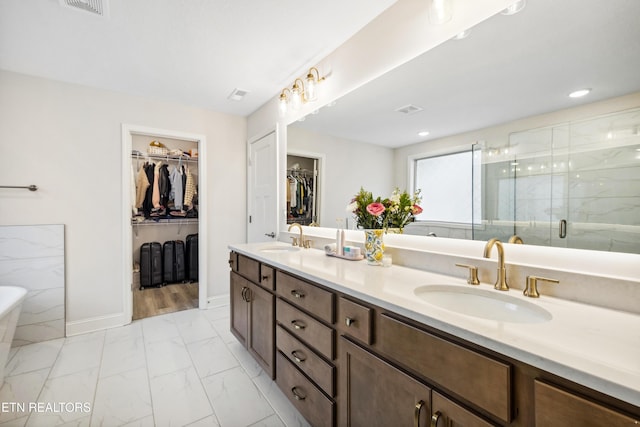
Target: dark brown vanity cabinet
{"x": 253, "y": 310}
{"x": 342, "y": 361}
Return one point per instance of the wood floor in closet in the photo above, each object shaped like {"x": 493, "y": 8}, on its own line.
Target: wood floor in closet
{"x": 167, "y": 299}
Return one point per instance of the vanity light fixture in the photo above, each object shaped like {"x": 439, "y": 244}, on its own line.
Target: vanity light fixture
{"x": 579, "y": 93}
{"x": 440, "y": 11}
{"x": 514, "y": 8}
{"x": 298, "y": 95}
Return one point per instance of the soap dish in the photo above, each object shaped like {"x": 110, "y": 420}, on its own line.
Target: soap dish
{"x": 333, "y": 254}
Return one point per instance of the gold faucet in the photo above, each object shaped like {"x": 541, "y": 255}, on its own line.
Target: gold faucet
{"x": 297, "y": 241}
{"x": 516, "y": 239}
{"x": 501, "y": 280}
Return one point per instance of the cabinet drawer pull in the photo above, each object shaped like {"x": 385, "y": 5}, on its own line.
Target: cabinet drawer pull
{"x": 349, "y": 321}
{"x": 416, "y": 413}
{"x": 298, "y": 356}
{"x": 297, "y": 395}
{"x": 298, "y": 324}
{"x": 297, "y": 293}
{"x": 435, "y": 418}
{"x": 244, "y": 294}
{"x": 265, "y": 277}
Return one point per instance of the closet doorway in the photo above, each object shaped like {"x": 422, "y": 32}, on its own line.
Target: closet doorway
{"x": 165, "y": 234}
{"x": 304, "y": 187}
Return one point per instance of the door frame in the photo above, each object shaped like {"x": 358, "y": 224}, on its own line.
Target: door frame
{"x": 128, "y": 131}
{"x": 321, "y": 158}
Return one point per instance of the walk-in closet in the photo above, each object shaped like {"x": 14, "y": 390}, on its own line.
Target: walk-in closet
{"x": 164, "y": 221}
{"x": 302, "y": 190}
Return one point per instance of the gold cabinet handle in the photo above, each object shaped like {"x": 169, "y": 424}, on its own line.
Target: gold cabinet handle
{"x": 297, "y": 293}
{"x": 435, "y": 418}
{"x": 297, "y": 356}
{"x": 245, "y": 298}
{"x": 298, "y": 324}
{"x": 296, "y": 395}
{"x": 349, "y": 321}
{"x": 416, "y": 413}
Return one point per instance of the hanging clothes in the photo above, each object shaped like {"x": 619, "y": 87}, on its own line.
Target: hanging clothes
{"x": 147, "y": 205}
{"x": 156, "y": 186}
{"x": 177, "y": 190}
{"x": 164, "y": 185}
{"x": 190, "y": 189}
{"x": 142, "y": 184}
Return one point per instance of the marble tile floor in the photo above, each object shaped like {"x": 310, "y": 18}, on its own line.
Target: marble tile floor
{"x": 177, "y": 369}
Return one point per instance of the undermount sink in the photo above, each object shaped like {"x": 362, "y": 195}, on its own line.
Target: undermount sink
{"x": 486, "y": 304}
{"x": 279, "y": 248}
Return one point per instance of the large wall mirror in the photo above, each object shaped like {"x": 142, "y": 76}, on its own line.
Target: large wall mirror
{"x": 501, "y": 93}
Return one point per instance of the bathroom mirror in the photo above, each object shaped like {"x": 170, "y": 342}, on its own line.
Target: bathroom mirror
{"x": 510, "y": 76}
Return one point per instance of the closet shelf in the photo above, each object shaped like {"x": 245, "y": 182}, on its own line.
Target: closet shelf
{"x": 166, "y": 158}
{"x": 165, "y": 221}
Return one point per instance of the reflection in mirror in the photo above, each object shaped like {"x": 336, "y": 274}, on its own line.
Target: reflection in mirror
{"x": 503, "y": 88}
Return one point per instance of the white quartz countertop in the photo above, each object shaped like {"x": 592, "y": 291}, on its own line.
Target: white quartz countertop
{"x": 596, "y": 347}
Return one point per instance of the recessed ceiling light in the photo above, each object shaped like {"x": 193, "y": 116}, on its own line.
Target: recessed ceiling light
{"x": 579, "y": 93}
{"x": 423, "y": 133}
{"x": 462, "y": 35}
{"x": 514, "y": 8}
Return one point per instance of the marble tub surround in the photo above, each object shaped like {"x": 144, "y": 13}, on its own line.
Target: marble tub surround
{"x": 32, "y": 257}
{"x": 603, "y": 279}
{"x": 593, "y": 346}
{"x": 204, "y": 377}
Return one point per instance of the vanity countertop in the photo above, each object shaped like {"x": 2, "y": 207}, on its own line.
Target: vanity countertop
{"x": 596, "y": 347}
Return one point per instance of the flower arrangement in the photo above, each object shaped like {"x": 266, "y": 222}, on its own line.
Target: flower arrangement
{"x": 393, "y": 212}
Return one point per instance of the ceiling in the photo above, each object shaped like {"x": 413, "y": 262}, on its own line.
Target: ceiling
{"x": 508, "y": 68}
{"x": 193, "y": 52}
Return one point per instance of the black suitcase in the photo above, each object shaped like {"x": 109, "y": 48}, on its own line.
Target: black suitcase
{"x": 173, "y": 261}
{"x": 192, "y": 257}
{"x": 150, "y": 264}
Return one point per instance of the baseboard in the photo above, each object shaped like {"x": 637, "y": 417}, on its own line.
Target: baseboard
{"x": 218, "y": 301}
{"x": 94, "y": 324}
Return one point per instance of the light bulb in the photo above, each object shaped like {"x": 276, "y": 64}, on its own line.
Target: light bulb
{"x": 440, "y": 11}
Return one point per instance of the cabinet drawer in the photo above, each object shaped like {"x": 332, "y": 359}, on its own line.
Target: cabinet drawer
{"x": 316, "y": 368}
{"x": 355, "y": 320}
{"x": 447, "y": 413}
{"x": 318, "y": 409}
{"x": 307, "y": 296}
{"x": 306, "y": 328}
{"x": 479, "y": 379}
{"x": 556, "y": 407}
{"x": 267, "y": 277}
{"x": 249, "y": 268}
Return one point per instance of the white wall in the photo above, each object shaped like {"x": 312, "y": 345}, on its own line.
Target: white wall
{"x": 66, "y": 139}
{"x": 348, "y": 165}
{"x": 496, "y": 136}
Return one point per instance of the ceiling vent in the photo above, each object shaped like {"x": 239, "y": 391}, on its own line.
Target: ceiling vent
{"x": 237, "y": 94}
{"x": 95, "y": 7}
{"x": 409, "y": 109}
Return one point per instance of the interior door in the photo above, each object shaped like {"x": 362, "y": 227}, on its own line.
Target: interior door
{"x": 263, "y": 187}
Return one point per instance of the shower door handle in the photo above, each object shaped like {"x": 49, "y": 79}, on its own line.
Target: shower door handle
{"x": 562, "y": 229}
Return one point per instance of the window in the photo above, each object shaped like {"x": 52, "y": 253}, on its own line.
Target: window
{"x": 450, "y": 187}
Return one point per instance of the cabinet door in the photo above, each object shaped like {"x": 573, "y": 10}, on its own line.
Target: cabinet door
{"x": 449, "y": 414}
{"x": 239, "y": 287}
{"x": 374, "y": 393}
{"x": 261, "y": 341}
{"x": 556, "y": 407}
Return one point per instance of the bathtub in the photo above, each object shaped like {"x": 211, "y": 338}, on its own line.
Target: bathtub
{"x": 10, "y": 303}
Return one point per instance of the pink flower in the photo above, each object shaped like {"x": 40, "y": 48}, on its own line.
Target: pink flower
{"x": 416, "y": 210}
{"x": 375, "y": 208}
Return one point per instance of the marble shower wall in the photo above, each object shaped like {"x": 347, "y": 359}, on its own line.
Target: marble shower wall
{"x": 32, "y": 256}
